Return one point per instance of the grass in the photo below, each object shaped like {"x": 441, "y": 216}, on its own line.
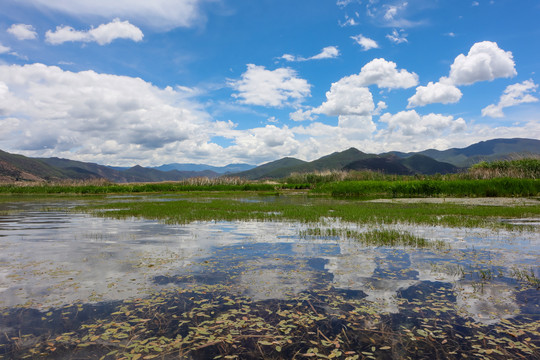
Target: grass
{"x": 132, "y": 188}
{"x": 507, "y": 187}
{"x": 296, "y": 208}
{"x": 503, "y": 187}
{"x": 522, "y": 168}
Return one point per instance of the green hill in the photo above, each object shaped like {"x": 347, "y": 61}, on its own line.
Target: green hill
{"x": 21, "y": 168}
{"x": 491, "y": 150}
{"x": 422, "y": 164}
{"x": 383, "y": 164}
{"x": 273, "y": 170}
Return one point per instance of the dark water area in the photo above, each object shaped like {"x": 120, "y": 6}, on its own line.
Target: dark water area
{"x": 74, "y": 286}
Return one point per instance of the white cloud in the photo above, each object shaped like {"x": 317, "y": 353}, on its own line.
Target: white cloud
{"x": 4, "y": 49}
{"x": 349, "y": 21}
{"x": 513, "y": 95}
{"x": 435, "y": 93}
{"x": 22, "y": 31}
{"x": 72, "y": 114}
{"x": 276, "y": 88}
{"x": 348, "y": 96}
{"x": 397, "y": 37}
{"x": 329, "y": 52}
{"x": 160, "y": 14}
{"x": 343, "y": 3}
{"x": 264, "y": 144}
{"x": 301, "y": 115}
{"x": 381, "y": 105}
{"x": 288, "y": 57}
{"x": 392, "y": 11}
{"x": 366, "y": 43}
{"x": 475, "y": 3}
{"x": 485, "y": 61}
{"x": 385, "y": 74}
{"x": 410, "y": 123}
{"x": 364, "y": 124}
{"x": 104, "y": 34}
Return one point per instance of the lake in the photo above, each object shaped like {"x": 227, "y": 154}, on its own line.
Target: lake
{"x": 73, "y": 285}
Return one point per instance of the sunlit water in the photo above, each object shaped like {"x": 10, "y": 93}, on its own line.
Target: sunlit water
{"x": 53, "y": 258}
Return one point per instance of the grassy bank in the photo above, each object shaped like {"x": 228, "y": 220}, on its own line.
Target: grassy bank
{"x": 504, "y": 187}
{"x": 500, "y": 187}
{"x": 131, "y": 188}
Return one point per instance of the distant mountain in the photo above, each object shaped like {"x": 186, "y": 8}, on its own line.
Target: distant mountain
{"x": 20, "y": 168}
{"x": 90, "y": 169}
{"x": 421, "y": 164}
{"x": 337, "y": 160}
{"x": 490, "y": 150}
{"x": 120, "y": 175}
{"x": 273, "y": 170}
{"x": 142, "y": 174}
{"x": 231, "y": 168}
{"x": 286, "y": 166}
{"x": 384, "y": 164}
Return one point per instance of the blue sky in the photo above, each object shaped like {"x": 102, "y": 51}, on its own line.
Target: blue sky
{"x": 225, "y": 81}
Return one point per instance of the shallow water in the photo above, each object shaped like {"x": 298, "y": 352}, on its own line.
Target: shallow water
{"x": 51, "y": 259}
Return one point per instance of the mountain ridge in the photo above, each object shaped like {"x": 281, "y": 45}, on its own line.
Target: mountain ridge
{"x": 14, "y": 167}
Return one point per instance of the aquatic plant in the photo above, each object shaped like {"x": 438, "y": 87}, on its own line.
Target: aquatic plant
{"x": 382, "y": 237}
{"x": 210, "y": 322}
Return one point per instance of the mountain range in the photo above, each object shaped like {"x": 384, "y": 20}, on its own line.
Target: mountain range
{"x": 20, "y": 168}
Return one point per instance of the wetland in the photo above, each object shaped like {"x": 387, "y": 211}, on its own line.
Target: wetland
{"x": 271, "y": 275}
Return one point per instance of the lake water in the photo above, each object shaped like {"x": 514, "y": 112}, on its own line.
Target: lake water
{"x": 67, "y": 273}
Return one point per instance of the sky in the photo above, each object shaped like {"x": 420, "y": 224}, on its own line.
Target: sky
{"x": 216, "y": 82}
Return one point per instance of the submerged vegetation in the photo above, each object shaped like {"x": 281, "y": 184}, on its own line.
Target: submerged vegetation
{"x": 207, "y": 322}
{"x": 392, "y": 238}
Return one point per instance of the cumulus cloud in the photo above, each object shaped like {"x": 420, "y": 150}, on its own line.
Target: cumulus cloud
{"x": 353, "y": 104}
{"x": 484, "y": 62}
{"x": 104, "y": 34}
{"x": 329, "y": 52}
{"x": 347, "y": 96}
{"x": 302, "y": 115}
{"x": 259, "y": 86}
{"x": 381, "y": 105}
{"x": 513, "y": 95}
{"x": 365, "y": 43}
{"x": 397, "y": 37}
{"x": 385, "y": 74}
{"x": 22, "y": 31}
{"x": 76, "y": 113}
{"x": 410, "y": 123}
{"x": 160, "y": 14}
{"x": 435, "y": 93}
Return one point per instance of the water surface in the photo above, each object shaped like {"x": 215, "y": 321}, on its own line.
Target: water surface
{"x": 52, "y": 259}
